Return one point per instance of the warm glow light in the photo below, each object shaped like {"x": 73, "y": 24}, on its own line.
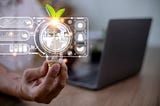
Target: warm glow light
{"x": 14, "y": 54}
{"x": 61, "y": 20}
{"x": 10, "y": 34}
{"x": 54, "y": 21}
{"x": 71, "y": 34}
{"x": 65, "y": 60}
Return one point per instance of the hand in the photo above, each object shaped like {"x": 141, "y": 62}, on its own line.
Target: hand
{"x": 43, "y": 84}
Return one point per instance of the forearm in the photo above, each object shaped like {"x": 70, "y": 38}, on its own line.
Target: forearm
{"x": 9, "y": 83}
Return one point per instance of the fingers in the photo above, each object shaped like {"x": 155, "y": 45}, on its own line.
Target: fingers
{"x": 60, "y": 81}
{"x": 35, "y": 73}
{"x": 46, "y": 87}
{"x": 63, "y": 75}
{"x": 52, "y": 84}
{"x": 52, "y": 74}
{"x": 44, "y": 68}
{"x": 55, "y": 79}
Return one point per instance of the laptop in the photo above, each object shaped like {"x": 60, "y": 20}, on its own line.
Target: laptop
{"x": 121, "y": 57}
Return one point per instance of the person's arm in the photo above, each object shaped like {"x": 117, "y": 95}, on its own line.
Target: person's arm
{"x": 39, "y": 84}
{"x": 9, "y": 82}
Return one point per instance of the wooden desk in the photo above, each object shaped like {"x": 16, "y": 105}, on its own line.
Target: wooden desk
{"x": 140, "y": 90}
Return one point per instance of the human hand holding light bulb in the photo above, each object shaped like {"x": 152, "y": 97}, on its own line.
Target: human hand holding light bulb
{"x": 69, "y": 39}
{"x": 41, "y": 84}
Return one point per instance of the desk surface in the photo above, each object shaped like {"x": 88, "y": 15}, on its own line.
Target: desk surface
{"x": 140, "y": 90}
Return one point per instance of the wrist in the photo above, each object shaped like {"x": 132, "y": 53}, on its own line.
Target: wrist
{"x": 18, "y": 89}
{"x": 20, "y": 92}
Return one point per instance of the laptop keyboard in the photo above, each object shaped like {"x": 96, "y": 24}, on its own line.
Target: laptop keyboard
{"x": 86, "y": 74}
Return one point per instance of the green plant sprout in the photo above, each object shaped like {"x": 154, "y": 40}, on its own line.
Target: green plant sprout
{"x": 51, "y": 11}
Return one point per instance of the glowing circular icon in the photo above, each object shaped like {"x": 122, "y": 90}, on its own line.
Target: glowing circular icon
{"x": 80, "y": 25}
{"x": 54, "y": 38}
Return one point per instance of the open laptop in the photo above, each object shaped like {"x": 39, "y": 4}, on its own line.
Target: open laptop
{"x": 122, "y": 55}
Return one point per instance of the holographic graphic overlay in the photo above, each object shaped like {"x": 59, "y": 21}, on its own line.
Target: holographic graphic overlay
{"x": 66, "y": 36}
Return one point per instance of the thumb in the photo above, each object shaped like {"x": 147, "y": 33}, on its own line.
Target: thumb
{"x": 35, "y": 73}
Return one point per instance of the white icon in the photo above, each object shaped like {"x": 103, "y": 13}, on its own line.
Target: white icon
{"x": 24, "y": 35}
{"x": 28, "y": 22}
{"x": 20, "y": 47}
{"x": 15, "y": 48}
{"x": 80, "y": 37}
{"x": 80, "y": 49}
{"x": 33, "y": 47}
{"x": 38, "y": 21}
{"x": 25, "y": 49}
{"x": 11, "y": 48}
{"x": 80, "y": 25}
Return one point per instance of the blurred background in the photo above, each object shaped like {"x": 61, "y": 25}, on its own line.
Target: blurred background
{"x": 99, "y": 12}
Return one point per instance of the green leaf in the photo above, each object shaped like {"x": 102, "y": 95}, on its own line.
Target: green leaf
{"x": 60, "y": 12}
{"x": 50, "y": 10}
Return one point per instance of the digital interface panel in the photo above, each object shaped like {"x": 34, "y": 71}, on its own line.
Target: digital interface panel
{"x": 66, "y": 36}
